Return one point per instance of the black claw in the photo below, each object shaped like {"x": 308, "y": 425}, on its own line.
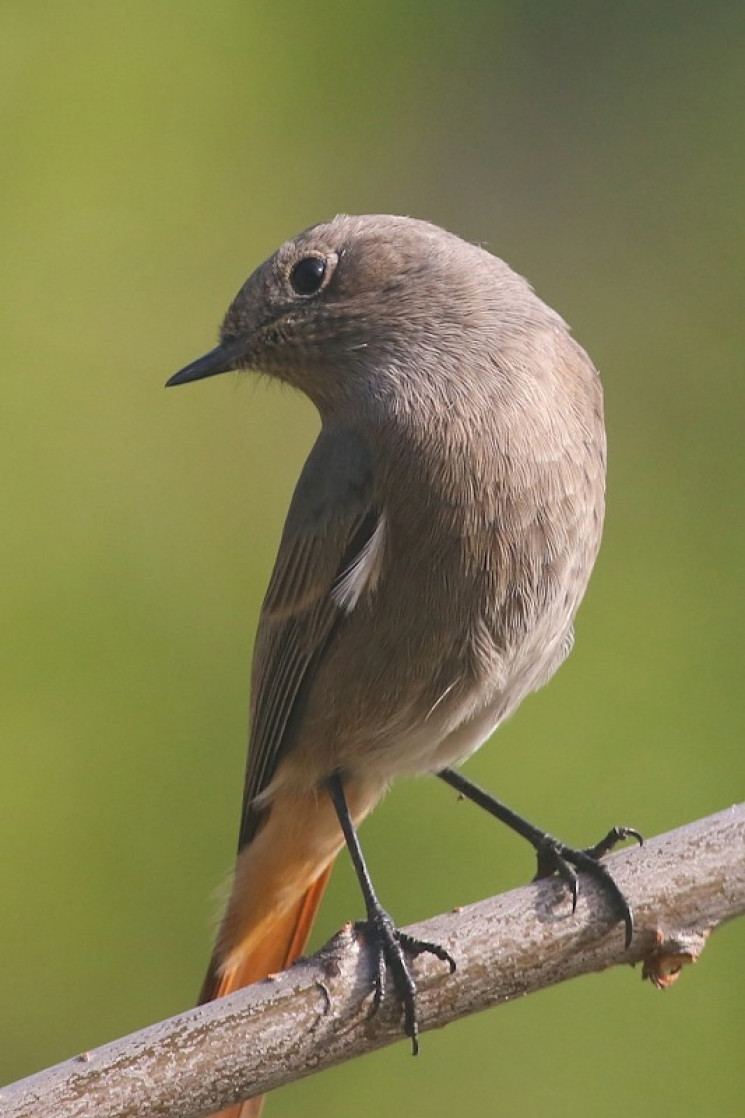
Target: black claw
{"x": 575, "y": 893}
{"x": 380, "y": 974}
{"x": 416, "y": 947}
{"x": 379, "y": 930}
{"x": 612, "y": 839}
{"x": 391, "y": 948}
{"x": 556, "y": 858}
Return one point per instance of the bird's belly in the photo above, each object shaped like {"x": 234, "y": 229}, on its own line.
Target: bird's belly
{"x": 465, "y": 725}
{"x": 421, "y": 736}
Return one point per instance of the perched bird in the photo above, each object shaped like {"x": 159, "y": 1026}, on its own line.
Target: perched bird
{"x": 437, "y": 546}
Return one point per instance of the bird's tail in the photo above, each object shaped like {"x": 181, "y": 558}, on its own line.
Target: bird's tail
{"x": 279, "y": 880}
{"x": 284, "y": 942}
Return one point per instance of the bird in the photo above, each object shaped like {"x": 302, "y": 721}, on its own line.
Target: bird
{"x": 436, "y": 549}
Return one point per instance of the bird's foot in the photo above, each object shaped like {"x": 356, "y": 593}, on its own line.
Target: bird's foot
{"x": 556, "y": 857}
{"x": 391, "y": 948}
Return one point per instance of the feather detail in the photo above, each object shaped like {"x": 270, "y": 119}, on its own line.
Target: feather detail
{"x": 363, "y": 572}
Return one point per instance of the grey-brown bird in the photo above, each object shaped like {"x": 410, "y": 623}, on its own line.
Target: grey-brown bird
{"x": 437, "y": 546}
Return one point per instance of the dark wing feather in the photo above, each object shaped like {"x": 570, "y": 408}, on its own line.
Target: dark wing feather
{"x": 332, "y": 516}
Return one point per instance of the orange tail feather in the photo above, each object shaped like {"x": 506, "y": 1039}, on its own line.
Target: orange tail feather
{"x": 277, "y": 951}
{"x": 279, "y": 880}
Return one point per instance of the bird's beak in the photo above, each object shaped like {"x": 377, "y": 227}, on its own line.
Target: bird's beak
{"x": 224, "y": 358}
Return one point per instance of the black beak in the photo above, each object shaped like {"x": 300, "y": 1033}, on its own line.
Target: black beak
{"x": 222, "y": 359}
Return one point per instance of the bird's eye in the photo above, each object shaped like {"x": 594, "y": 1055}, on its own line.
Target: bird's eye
{"x": 307, "y": 275}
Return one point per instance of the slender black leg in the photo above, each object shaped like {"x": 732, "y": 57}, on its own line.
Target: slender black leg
{"x": 384, "y": 937}
{"x": 554, "y": 856}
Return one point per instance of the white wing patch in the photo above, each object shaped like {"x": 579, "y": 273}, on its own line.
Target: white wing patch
{"x": 363, "y": 572}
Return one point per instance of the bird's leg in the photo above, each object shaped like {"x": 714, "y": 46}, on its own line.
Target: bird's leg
{"x": 390, "y": 945}
{"x": 554, "y": 856}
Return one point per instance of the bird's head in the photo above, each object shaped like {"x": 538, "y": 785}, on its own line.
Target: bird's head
{"x": 354, "y": 296}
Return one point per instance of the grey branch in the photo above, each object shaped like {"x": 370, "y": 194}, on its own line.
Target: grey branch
{"x": 681, "y": 886}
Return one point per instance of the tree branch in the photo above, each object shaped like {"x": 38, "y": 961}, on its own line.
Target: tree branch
{"x": 681, "y": 885}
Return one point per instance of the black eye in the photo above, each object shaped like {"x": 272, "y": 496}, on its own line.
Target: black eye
{"x": 307, "y": 275}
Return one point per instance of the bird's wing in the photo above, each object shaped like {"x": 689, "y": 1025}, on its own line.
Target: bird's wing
{"x": 329, "y": 554}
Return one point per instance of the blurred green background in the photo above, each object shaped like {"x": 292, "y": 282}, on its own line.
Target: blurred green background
{"x": 152, "y": 155}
